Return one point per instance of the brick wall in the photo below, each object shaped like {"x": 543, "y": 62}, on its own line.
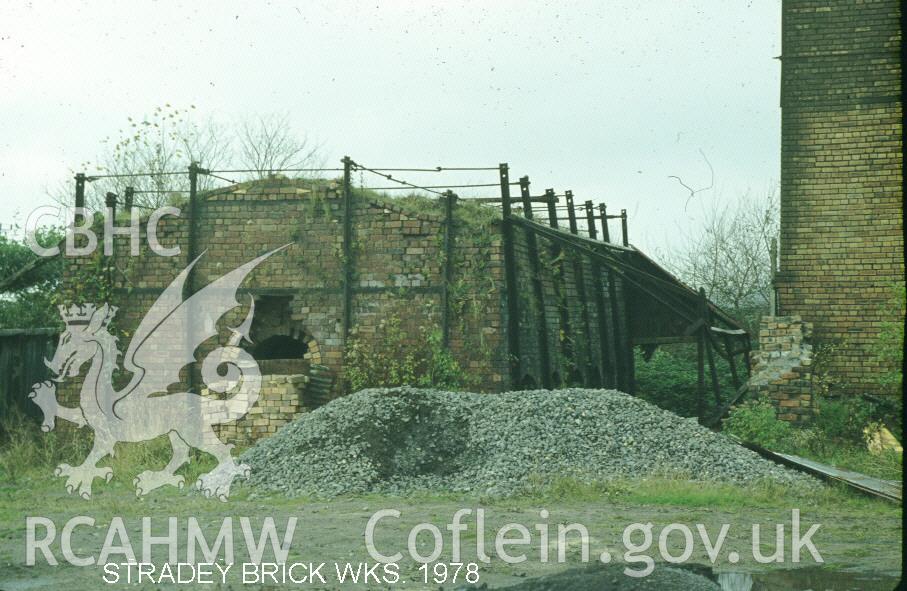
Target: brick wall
{"x": 841, "y": 248}
{"x": 397, "y": 262}
{"x": 782, "y": 367}
{"x": 280, "y": 401}
{"x": 397, "y": 265}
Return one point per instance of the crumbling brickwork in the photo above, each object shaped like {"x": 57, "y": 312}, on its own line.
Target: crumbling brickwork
{"x": 782, "y": 367}
{"x": 280, "y": 401}
{"x": 841, "y": 248}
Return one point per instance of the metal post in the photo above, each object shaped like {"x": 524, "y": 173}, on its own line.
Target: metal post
{"x": 80, "y": 197}
{"x": 603, "y": 215}
{"x": 630, "y": 362}
{"x": 623, "y": 227}
{"x": 110, "y": 204}
{"x": 129, "y": 197}
{"x": 193, "y": 210}
{"x": 565, "y": 338}
{"x": 580, "y": 279}
{"x": 513, "y": 311}
{"x": 612, "y": 305}
{"x": 607, "y": 378}
{"x": 537, "y": 288}
{"x": 189, "y": 288}
{"x": 551, "y": 202}
{"x": 347, "y": 248}
{"x": 700, "y": 376}
{"x": 450, "y": 198}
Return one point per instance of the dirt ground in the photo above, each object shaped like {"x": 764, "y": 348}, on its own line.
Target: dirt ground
{"x": 855, "y": 540}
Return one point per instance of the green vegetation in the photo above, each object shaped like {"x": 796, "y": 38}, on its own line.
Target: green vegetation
{"x": 29, "y": 302}
{"x": 755, "y": 421}
{"x": 393, "y": 358}
{"x": 29, "y": 456}
{"x": 669, "y": 379}
{"x": 672, "y": 490}
{"x": 835, "y": 436}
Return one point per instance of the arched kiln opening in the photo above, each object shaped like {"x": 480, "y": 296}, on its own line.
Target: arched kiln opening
{"x": 280, "y": 344}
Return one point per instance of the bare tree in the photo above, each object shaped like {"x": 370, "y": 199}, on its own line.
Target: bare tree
{"x": 729, "y": 255}
{"x": 153, "y": 147}
{"x": 152, "y": 155}
{"x": 267, "y": 145}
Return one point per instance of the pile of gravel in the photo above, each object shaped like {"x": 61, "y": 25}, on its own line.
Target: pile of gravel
{"x": 403, "y": 440}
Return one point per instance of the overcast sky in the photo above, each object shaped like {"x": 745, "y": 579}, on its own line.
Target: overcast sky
{"x": 605, "y": 98}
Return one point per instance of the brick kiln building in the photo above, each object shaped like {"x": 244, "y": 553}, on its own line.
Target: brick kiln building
{"x": 841, "y": 247}
{"x": 361, "y": 268}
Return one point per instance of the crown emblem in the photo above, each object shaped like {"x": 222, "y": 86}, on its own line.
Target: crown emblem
{"x": 77, "y": 314}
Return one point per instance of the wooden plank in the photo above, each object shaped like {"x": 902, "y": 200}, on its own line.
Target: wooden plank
{"x": 890, "y": 490}
{"x": 725, "y": 331}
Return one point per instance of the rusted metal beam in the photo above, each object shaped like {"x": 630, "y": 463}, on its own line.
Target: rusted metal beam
{"x": 513, "y": 310}
{"x": 607, "y": 377}
{"x": 565, "y": 338}
{"x": 579, "y": 278}
{"x": 537, "y": 289}
{"x": 347, "y": 247}
{"x": 450, "y": 199}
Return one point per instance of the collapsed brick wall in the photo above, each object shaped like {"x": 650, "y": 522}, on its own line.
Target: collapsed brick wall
{"x": 841, "y": 248}
{"x": 782, "y": 367}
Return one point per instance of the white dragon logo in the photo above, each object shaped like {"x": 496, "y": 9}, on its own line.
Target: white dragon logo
{"x": 162, "y": 345}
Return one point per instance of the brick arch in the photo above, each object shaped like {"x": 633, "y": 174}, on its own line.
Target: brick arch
{"x": 274, "y": 322}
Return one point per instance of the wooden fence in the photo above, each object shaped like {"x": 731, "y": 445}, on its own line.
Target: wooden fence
{"x": 22, "y": 354}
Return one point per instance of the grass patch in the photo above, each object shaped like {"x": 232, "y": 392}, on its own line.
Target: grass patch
{"x": 28, "y": 455}
{"x": 835, "y": 437}
{"x": 681, "y": 492}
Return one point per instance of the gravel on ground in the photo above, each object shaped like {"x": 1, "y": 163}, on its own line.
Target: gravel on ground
{"x": 404, "y": 440}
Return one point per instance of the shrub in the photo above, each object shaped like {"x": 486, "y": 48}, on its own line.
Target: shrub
{"x": 842, "y": 420}
{"x": 669, "y": 380}
{"x": 755, "y": 421}
{"x": 392, "y": 359}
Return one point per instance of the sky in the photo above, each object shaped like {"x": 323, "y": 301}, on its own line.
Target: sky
{"x": 607, "y": 99}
